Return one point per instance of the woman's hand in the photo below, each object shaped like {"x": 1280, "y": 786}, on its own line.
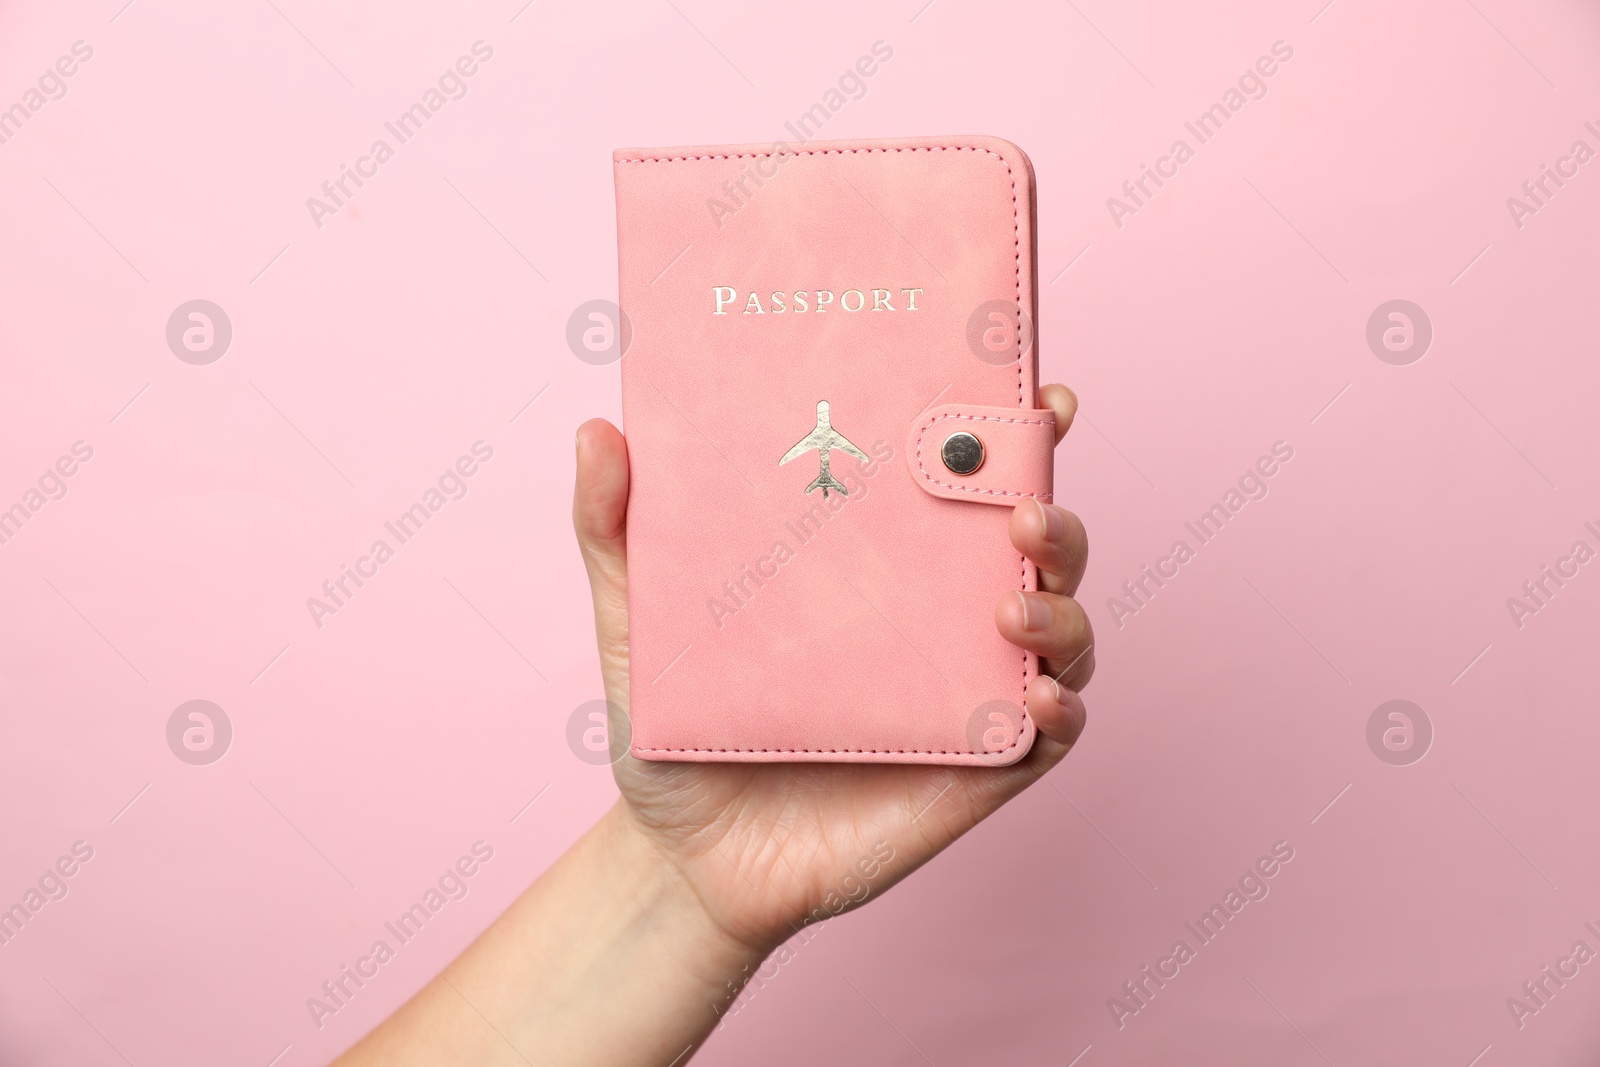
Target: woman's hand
{"x": 759, "y": 846}
{"x": 629, "y": 949}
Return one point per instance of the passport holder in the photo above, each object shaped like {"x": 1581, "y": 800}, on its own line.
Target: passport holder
{"x": 830, "y": 404}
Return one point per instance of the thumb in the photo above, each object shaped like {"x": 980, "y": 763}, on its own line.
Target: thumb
{"x": 599, "y": 516}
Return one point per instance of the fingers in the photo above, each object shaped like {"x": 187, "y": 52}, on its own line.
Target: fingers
{"x": 1064, "y": 402}
{"x": 1048, "y": 622}
{"x": 1060, "y": 715}
{"x": 599, "y": 517}
{"x": 1074, "y": 673}
{"x": 1053, "y": 627}
{"x": 1055, "y": 540}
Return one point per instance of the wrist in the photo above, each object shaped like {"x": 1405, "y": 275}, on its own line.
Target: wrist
{"x": 667, "y": 908}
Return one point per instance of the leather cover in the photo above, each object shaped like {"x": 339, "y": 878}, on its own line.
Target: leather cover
{"x": 807, "y": 578}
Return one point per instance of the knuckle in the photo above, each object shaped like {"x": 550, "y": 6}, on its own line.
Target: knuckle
{"x": 1074, "y": 632}
{"x": 1074, "y": 539}
{"x": 1075, "y": 534}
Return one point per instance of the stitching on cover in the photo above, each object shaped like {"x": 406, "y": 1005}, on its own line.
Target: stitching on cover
{"x": 831, "y": 751}
{"x": 825, "y": 152}
{"x": 1022, "y": 581}
{"x": 922, "y": 433}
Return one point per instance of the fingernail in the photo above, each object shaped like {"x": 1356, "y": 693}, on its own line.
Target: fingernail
{"x": 1059, "y": 698}
{"x": 1037, "y": 614}
{"x": 1055, "y": 524}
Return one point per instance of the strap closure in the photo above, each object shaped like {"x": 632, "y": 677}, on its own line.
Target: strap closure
{"x": 1018, "y": 453}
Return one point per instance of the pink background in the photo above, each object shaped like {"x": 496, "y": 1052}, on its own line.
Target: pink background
{"x": 1229, "y": 313}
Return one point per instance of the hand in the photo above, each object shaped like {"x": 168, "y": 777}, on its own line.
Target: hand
{"x": 760, "y": 845}
{"x": 645, "y": 929}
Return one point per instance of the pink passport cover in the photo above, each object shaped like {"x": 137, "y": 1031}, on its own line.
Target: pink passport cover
{"x": 769, "y": 622}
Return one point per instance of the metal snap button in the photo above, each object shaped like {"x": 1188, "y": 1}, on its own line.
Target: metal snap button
{"x": 962, "y": 453}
